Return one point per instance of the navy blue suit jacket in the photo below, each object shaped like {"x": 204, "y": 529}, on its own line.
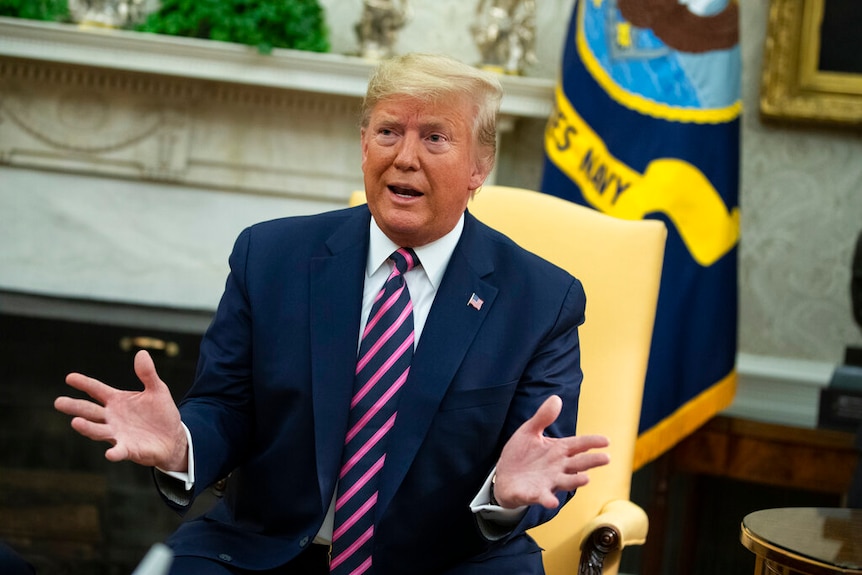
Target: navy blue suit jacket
{"x": 274, "y": 382}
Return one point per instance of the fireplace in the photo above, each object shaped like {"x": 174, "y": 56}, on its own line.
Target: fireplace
{"x": 63, "y": 506}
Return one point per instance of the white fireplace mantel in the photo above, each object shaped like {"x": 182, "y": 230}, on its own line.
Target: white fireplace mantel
{"x": 192, "y": 111}
{"x": 130, "y": 161}
{"x": 332, "y": 74}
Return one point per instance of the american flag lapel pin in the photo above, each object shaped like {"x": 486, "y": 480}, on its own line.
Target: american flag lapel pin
{"x": 475, "y": 301}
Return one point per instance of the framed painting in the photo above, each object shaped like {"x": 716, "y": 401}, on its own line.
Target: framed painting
{"x": 812, "y": 63}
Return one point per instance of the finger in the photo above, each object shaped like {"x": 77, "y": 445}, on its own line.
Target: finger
{"x": 80, "y": 408}
{"x": 586, "y": 461}
{"x": 592, "y": 441}
{"x": 92, "y": 387}
{"x": 549, "y": 500}
{"x": 117, "y": 453}
{"x": 575, "y": 444}
{"x": 570, "y": 482}
{"x": 92, "y": 430}
{"x": 145, "y": 369}
{"x": 545, "y": 415}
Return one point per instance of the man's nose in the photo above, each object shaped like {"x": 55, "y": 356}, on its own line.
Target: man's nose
{"x": 408, "y": 153}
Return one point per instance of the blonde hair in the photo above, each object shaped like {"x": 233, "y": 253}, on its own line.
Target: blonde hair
{"x": 435, "y": 77}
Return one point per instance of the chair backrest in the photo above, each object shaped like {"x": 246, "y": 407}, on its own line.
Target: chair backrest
{"x": 619, "y": 263}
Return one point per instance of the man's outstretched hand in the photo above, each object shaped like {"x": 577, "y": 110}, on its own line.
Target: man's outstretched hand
{"x": 533, "y": 467}
{"x": 141, "y": 426}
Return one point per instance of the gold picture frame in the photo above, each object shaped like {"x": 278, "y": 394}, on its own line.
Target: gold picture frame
{"x": 793, "y": 86}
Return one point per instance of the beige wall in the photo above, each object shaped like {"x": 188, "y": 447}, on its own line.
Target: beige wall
{"x": 802, "y": 212}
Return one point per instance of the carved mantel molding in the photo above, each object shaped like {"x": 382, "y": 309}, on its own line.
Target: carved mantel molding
{"x": 190, "y": 111}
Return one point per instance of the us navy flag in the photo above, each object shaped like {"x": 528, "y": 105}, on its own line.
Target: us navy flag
{"x": 646, "y": 125}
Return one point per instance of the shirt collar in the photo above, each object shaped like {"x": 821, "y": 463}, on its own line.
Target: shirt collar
{"x": 434, "y": 256}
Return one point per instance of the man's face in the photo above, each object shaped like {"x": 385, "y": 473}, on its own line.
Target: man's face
{"x": 421, "y": 166}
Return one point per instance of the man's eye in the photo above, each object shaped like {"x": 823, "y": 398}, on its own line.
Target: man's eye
{"x": 386, "y": 135}
{"x": 436, "y": 138}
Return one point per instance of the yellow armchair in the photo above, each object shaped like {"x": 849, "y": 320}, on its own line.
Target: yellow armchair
{"x": 619, "y": 263}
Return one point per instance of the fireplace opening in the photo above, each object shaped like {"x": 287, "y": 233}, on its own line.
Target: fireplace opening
{"x": 63, "y": 506}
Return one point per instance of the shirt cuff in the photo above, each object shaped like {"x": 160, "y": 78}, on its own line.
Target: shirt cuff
{"x": 188, "y": 477}
{"x": 495, "y": 522}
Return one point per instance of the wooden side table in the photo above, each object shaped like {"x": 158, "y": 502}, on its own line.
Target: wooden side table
{"x": 816, "y": 460}
{"x": 805, "y": 541}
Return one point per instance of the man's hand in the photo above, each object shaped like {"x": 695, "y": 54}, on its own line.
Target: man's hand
{"x": 533, "y": 467}
{"x": 142, "y": 426}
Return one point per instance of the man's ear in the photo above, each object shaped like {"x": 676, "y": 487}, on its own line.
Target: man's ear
{"x": 480, "y": 173}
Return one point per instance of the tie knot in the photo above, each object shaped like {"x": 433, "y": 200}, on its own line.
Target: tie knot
{"x": 405, "y": 259}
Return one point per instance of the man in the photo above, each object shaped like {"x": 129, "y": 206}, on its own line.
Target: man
{"x": 474, "y": 452}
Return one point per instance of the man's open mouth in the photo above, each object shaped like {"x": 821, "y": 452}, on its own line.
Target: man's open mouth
{"x": 404, "y": 192}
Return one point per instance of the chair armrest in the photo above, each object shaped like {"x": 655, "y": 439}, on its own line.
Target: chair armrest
{"x": 619, "y": 523}
{"x": 626, "y": 519}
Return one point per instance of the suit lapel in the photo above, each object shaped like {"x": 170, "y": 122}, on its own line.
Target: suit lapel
{"x": 337, "y": 280}
{"x": 449, "y": 330}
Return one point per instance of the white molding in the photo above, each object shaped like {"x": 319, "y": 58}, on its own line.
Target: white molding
{"x": 802, "y": 371}
{"x": 779, "y": 389}
{"x": 101, "y": 312}
{"x": 192, "y": 58}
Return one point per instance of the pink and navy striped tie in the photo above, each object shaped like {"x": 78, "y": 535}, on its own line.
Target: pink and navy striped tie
{"x": 381, "y": 370}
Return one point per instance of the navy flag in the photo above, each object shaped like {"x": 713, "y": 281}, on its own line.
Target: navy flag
{"x": 646, "y": 125}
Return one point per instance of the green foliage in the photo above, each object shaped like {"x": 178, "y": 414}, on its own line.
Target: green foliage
{"x": 267, "y": 24}
{"x": 55, "y": 10}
